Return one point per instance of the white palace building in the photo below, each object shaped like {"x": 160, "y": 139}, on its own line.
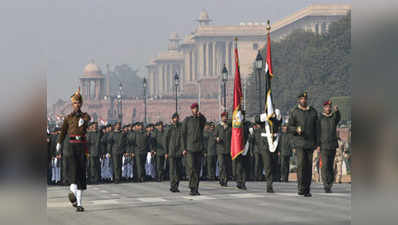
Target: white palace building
{"x": 199, "y": 58}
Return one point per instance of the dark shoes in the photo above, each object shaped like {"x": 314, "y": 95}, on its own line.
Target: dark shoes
{"x": 72, "y": 199}
{"x": 308, "y": 195}
{"x": 223, "y": 184}
{"x": 174, "y": 190}
{"x": 79, "y": 209}
{"x": 328, "y": 190}
{"x": 241, "y": 186}
{"x": 193, "y": 193}
{"x": 300, "y": 193}
{"x": 270, "y": 189}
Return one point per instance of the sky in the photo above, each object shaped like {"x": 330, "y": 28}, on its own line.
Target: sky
{"x": 58, "y": 38}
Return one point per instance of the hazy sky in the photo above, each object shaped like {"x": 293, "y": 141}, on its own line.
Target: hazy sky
{"x": 68, "y": 33}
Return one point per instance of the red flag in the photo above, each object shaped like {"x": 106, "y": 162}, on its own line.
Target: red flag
{"x": 237, "y": 145}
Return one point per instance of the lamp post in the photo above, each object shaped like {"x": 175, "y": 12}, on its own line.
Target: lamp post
{"x": 176, "y": 82}
{"x": 259, "y": 66}
{"x": 144, "y": 85}
{"x": 224, "y": 80}
{"x": 119, "y": 99}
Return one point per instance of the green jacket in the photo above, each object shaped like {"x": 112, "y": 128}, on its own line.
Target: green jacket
{"x": 159, "y": 142}
{"x": 192, "y": 132}
{"x": 94, "y": 143}
{"x": 118, "y": 142}
{"x": 211, "y": 143}
{"x": 308, "y": 121}
{"x": 327, "y": 130}
{"x": 174, "y": 141}
{"x": 224, "y": 134}
{"x": 139, "y": 142}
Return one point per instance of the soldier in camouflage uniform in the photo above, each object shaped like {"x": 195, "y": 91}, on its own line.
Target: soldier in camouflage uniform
{"x": 223, "y": 133}
{"x": 160, "y": 150}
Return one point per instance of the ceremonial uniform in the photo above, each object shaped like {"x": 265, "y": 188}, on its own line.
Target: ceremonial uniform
{"x": 211, "y": 155}
{"x": 140, "y": 142}
{"x": 160, "y": 149}
{"x": 327, "y": 125}
{"x": 75, "y": 127}
{"x": 192, "y": 130}
{"x": 223, "y": 133}
{"x": 174, "y": 148}
{"x": 118, "y": 142}
{"x": 286, "y": 153}
{"x": 303, "y": 128}
{"x": 94, "y": 145}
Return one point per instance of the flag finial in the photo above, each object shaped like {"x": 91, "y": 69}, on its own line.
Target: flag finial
{"x": 268, "y": 26}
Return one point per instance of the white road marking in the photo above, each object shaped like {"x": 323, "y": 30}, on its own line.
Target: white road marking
{"x": 151, "y": 200}
{"x": 199, "y": 197}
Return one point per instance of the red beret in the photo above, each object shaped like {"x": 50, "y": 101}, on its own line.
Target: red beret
{"x": 194, "y": 105}
{"x": 224, "y": 114}
{"x": 328, "y": 102}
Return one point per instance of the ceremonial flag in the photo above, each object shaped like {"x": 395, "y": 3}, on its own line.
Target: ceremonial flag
{"x": 269, "y": 107}
{"x": 237, "y": 145}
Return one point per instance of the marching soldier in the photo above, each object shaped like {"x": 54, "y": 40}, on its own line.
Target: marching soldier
{"x": 327, "y": 126}
{"x": 193, "y": 139}
{"x": 94, "y": 142}
{"x": 286, "y": 152}
{"x": 174, "y": 148}
{"x": 211, "y": 153}
{"x": 140, "y": 140}
{"x": 338, "y": 161}
{"x": 117, "y": 141}
{"x": 223, "y": 133}
{"x": 75, "y": 127}
{"x": 263, "y": 150}
{"x": 302, "y": 125}
{"x": 160, "y": 150}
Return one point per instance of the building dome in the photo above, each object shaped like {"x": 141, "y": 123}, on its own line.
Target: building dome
{"x": 92, "y": 69}
{"x": 174, "y": 36}
{"x": 204, "y": 16}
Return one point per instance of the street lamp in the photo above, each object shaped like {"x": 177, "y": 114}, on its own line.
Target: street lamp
{"x": 259, "y": 66}
{"x": 119, "y": 98}
{"x": 224, "y": 80}
{"x": 144, "y": 85}
{"x": 176, "y": 82}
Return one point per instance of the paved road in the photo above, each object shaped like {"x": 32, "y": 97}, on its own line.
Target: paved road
{"x": 152, "y": 203}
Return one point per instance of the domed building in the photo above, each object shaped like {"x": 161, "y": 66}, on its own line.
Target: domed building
{"x": 92, "y": 82}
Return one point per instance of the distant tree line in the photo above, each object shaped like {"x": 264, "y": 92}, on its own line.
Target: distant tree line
{"x": 305, "y": 61}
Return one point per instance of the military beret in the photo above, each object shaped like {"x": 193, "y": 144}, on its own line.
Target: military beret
{"x": 301, "y": 95}
{"x": 328, "y": 102}
{"x": 175, "y": 115}
{"x": 224, "y": 114}
{"x": 160, "y": 123}
{"x": 194, "y": 105}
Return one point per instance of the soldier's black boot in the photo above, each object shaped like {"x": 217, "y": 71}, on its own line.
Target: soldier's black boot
{"x": 270, "y": 189}
{"x": 72, "y": 199}
{"x": 79, "y": 209}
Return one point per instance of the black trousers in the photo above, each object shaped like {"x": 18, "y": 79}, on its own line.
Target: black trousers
{"x": 327, "y": 157}
{"x": 175, "y": 170}
{"x": 193, "y": 164}
{"x": 211, "y": 167}
{"x": 95, "y": 169}
{"x": 76, "y": 173}
{"x": 285, "y": 164}
{"x": 304, "y": 169}
{"x": 223, "y": 167}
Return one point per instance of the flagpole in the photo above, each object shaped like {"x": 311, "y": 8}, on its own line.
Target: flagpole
{"x": 267, "y": 80}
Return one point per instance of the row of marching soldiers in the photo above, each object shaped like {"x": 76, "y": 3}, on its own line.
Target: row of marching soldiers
{"x": 136, "y": 153}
